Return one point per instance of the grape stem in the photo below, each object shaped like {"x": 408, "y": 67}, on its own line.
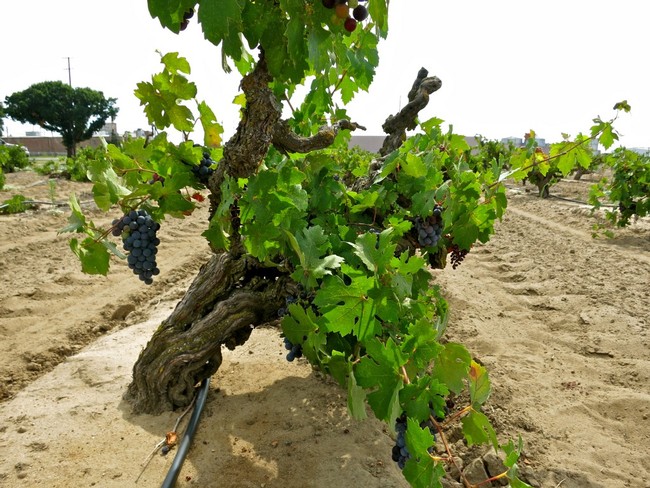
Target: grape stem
{"x": 450, "y": 457}
{"x": 405, "y": 376}
{"x": 105, "y": 233}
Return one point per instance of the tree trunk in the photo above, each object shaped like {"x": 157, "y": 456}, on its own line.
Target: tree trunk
{"x": 580, "y": 172}
{"x": 226, "y": 300}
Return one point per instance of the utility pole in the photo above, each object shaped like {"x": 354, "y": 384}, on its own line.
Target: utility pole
{"x": 69, "y": 72}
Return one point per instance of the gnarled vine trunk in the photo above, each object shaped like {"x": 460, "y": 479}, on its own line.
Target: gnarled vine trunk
{"x": 233, "y": 292}
{"x": 229, "y": 296}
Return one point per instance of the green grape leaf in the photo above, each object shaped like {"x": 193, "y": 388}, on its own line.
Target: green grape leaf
{"x": 424, "y": 473}
{"x": 220, "y": 19}
{"x": 419, "y": 394}
{"x": 512, "y": 456}
{"x": 211, "y": 128}
{"x": 479, "y": 384}
{"x": 107, "y": 188}
{"x": 216, "y": 236}
{"x": 180, "y": 117}
{"x": 348, "y": 308}
{"x": 405, "y": 267}
{"x": 423, "y": 202}
{"x": 452, "y": 366}
{"x": 310, "y": 245}
{"x": 430, "y": 124}
{"x": 478, "y": 430}
{"x": 607, "y": 136}
{"x": 465, "y": 232}
{"x": 381, "y": 374}
{"x": 378, "y": 11}
{"x": 76, "y": 220}
{"x": 175, "y": 205}
{"x": 422, "y": 345}
{"x": 413, "y": 166}
{"x": 356, "y": 399}
{"x": 420, "y": 470}
{"x": 348, "y": 88}
{"x": 176, "y": 64}
{"x": 623, "y": 105}
{"x": 299, "y": 324}
{"x": 376, "y": 252}
{"x": 93, "y": 255}
{"x": 418, "y": 439}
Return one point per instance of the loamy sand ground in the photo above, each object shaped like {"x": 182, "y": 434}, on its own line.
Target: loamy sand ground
{"x": 560, "y": 320}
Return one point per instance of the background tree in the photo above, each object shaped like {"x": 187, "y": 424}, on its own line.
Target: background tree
{"x": 75, "y": 113}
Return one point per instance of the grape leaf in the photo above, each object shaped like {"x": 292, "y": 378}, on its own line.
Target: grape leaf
{"x": 356, "y": 398}
{"x": 220, "y": 19}
{"x": 478, "y": 430}
{"x": 608, "y": 136}
{"x": 421, "y": 344}
{"x": 76, "y": 220}
{"x": 512, "y": 456}
{"x": 382, "y": 376}
{"x": 211, "y": 128}
{"x": 417, "y": 396}
{"x": 420, "y": 470}
{"x": 623, "y": 105}
{"x": 93, "y": 255}
{"x": 424, "y": 473}
{"x": 479, "y": 384}
{"x": 310, "y": 245}
{"x": 413, "y": 166}
{"x": 452, "y": 365}
{"x": 348, "y": 308}
{"x": 376, "y": 252}
{"x": 176, "y": 64}
{"x": 465, "y": 232}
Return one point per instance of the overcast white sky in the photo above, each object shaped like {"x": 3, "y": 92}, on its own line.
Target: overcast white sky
{"x": 507, "y": 66}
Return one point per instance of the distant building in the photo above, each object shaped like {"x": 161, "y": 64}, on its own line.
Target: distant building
{"x": 43, "y": 145}
{"x": 368, "y": 143}
{"x": 515, "y": 141}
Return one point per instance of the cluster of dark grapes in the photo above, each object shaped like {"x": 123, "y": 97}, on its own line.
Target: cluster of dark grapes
{"x": 186, "y": 18}
{"x": 429, "y": 229}
{"x": 457, "y": 255}
{"x": 342, "y": 11}
{"x": 138, "y": 231}
{"x": 295, "y": 350}
{"x": 282, "y": 311}
{"x": 204, "y": 170}
{"x": 400, "y": 452}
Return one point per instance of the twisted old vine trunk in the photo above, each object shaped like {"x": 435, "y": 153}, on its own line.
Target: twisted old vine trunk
{"x": 233, "y": 292}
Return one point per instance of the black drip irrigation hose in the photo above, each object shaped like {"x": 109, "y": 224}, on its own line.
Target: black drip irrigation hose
{"x": 186, "y": 441}
{"x": 581, "y": 202}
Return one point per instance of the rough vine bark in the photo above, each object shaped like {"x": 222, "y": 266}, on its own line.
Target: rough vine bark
{"x": 406, "y": 119}
{"x": 228, "y": 297}
{"x": 232, "y": 292}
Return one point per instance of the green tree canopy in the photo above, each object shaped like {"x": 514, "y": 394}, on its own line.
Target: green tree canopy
{"x": 75, "y": 113}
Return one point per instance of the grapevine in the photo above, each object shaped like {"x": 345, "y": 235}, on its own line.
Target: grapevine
{"x": 333, "y": 244}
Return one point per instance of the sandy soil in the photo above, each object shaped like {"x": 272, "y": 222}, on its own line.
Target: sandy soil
{"x": 560, "y": 320}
